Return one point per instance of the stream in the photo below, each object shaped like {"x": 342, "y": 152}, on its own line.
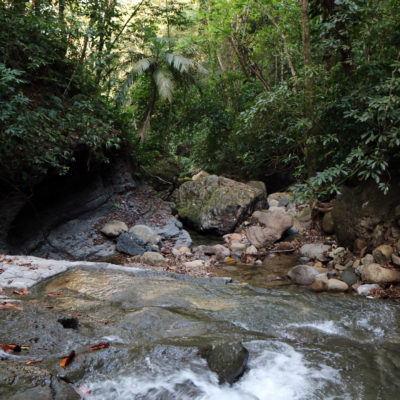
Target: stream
{"x": 301, "y": 345}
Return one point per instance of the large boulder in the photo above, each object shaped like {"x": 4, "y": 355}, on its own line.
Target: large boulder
{"x": 217, "y": 204}
{"x": 273, "y": 224}
{"x": 365, "y": 212}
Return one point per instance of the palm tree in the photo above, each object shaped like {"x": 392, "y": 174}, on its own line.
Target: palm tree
{"x": 166, "y": 70}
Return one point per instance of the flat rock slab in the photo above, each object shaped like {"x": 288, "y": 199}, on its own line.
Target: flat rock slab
{"x": 25, "y": 271}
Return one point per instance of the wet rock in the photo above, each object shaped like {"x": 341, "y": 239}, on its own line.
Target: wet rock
{"x": 374, "y": 273}
{"x": 145, "y": 233}
{"x": 349, "y": 276}
{"x": 153, "y": 258}
{"x": 328, "y": 226}
{"x": 217, "y": 204}
{"x": 365, "y": 290}
{"x": 114, "y": 228}
{"x": 30, "y": 382}
{"x": 383, "y": 254}
{"x": 227, "y": 360}
{"x": 302, "y": 274}
{"x": 319, "y": 285}
{"x": 129, "y": 243}
{"x": 274, "y": 225}
{"x": 335, "y": 285}
{"x": 314, "y": 251}
{"x": 69, "y": 323}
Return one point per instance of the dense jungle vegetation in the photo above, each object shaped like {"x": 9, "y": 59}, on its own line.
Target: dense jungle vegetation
{"x": 307, "y": 91}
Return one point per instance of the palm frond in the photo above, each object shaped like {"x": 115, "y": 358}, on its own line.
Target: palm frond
{"x": 165, "y": 83}
{"x": 142, "y": 65}
{"x": 180, "y": 63}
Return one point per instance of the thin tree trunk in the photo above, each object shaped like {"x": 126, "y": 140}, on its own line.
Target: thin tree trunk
{"x": 285, "y": 45}
{"x": 310, "y": 154}
{"x": 145, "y": 122}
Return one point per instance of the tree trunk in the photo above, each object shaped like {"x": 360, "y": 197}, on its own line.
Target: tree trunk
{"x": 310, "y": 154}
{"x": 145, "y": 122}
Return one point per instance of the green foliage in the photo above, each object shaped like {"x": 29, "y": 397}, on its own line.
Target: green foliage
{"x": 50, "y": 108}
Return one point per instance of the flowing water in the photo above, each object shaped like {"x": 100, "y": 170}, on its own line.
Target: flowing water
{"x": 301, "y": 345}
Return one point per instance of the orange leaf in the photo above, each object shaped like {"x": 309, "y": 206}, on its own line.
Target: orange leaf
{"x": 66, "y": 360}
{"x": 33, "y": 362}
{"x": 51, "y": 294}
{"x": 99, "y": 346}
{"x": 11, "y": 348}
{"x": 21, "y": 292}
{"x": 10, "y": 305}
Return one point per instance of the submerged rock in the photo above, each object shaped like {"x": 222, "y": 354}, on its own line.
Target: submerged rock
{"x": 30, "y": 382}
{"x": 227, "y": 360}
{"x": 303, "y": 274}
{"x": 217, "y": 204}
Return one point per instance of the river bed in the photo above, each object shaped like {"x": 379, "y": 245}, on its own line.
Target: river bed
{"x": 301, "y": 345}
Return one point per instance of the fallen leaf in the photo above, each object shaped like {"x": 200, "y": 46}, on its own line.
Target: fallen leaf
{"x": 4, "y": 306}
{"x": 11, "y": 348}
{"x": 33, "y": 362}
{"x": 21, "y": 292}
{"x": 99, "y": 346}
{"x": 66, "y": 360}
{"x": 51, "y": 294}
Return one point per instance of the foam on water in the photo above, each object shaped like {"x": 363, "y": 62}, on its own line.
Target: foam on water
{"x": 328, "y": 327}
{"x": 276, "y": 371}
